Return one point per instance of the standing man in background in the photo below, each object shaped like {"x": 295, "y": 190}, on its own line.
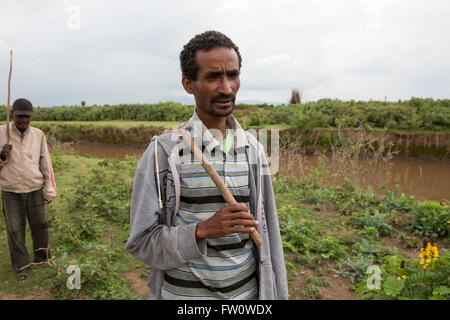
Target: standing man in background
{"x": 27, "y": 184}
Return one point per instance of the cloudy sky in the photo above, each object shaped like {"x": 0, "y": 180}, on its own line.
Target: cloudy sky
{"x": 110, "y": 52}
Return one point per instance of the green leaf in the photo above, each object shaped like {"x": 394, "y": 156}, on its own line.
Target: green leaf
{"x": 289, "y": 246}
{"x": 442, "y": 291}
{"x": 437, "y": 297}
{"x": 393, "y": 287}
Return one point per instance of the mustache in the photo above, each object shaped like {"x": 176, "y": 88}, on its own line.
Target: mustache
{"x": 218, "y": 97}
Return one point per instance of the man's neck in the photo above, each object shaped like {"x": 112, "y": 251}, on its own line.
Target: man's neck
{"x": 212, "y": 122}
{"x": 20, "y": 131}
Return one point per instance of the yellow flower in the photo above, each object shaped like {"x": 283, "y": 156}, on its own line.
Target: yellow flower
{"x": 398, "y": 278}
{"x": 404, "y": 277}
{"x": 428, "y": 254}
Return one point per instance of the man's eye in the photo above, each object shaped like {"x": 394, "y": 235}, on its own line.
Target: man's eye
{"x": 212, "y": 77}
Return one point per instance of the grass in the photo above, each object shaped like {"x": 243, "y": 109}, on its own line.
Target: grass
{"x": 78, "y": 236}
{"x": 327, "y": 229}
{"x": 280, "y": 126}
{"x": 123, "y": 124}
{"x": 342, "y": 230}
{"x": 139, "y": 133}
{"x": 126, "y": 124}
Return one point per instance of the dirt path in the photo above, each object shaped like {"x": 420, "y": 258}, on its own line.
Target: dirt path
{"x": 138, "y": 285}
{"x": 34, "y": 296}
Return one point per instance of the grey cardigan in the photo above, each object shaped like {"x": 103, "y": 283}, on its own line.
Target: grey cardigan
{"x": 156, "y": 240}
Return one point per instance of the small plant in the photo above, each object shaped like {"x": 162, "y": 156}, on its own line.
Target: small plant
{"x": 311, "y": 291}
{"x": 354, "y": 267}
{"x": 432, "y": 219}
{"x": 374, "y": 223}
{"x": 107, "y": 192}
{"x": 329, "y": 248}
{"x": 319, "y": 282}
{"x": 412, "y": 279}
{"x": 428, "y": 255}
{"x": 399, "y": 203}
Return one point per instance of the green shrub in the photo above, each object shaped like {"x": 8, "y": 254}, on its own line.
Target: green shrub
{"x": 407, "y": 280}
{"x": 374, "y": 220}
{"x": 257, "y": 119}
{"x": 431, "y": 219}
{"x": 107, "y": 192}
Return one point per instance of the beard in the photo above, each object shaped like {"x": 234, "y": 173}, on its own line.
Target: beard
{"x": 221, "y": 111}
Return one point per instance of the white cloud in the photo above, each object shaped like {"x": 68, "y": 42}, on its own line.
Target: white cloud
{"x": 127, "y": 51}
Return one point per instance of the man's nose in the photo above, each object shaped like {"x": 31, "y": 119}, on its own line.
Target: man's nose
{"x": 226, "y": 86}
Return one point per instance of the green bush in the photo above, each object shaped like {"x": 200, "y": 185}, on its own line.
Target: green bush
{"x": 432, "y": 219}
{"x": 409, "y": 280}
{"x": 257, "y": 119}
{"x": 413, "y": 114}
{"x": 89, "y": 223}
{"x": 163, "y": 111}
{"x": 374, "y": 220}
{"x": 107, "y": 192}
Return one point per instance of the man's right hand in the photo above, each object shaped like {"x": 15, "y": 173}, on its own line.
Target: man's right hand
{"x": 233, "y": 218}
{"x": 5, "y": 151}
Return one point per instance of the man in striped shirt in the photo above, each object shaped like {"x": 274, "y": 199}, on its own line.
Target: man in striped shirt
{"x": 200, "y": 246}
{"x": 228, "y": 270}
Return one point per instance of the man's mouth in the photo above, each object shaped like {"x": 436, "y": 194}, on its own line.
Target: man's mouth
{"x": 223, "y": 101}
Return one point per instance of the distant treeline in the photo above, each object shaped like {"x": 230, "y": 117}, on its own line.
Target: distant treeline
{"x": 413, "y": 114}
{"x": 163, "y": 111}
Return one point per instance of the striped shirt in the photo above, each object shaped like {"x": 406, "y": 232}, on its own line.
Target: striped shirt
{"x": 228, "y": 271}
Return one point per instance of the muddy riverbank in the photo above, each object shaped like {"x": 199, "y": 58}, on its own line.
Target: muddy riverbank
{"x": 426, "y": 178}
{"x": 290, "y": 140}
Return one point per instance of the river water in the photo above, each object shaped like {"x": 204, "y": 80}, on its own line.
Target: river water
{"x": 424, "y": 178}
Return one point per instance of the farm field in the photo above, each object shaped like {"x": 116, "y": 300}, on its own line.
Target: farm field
{"x": 123, "y": 124}
{"x": 87, "y": 232}
{"x": 139, "y": 133}
{"x": 333, "y": 231}
{"x": 331, "y": 234}
{"x": 415, "y": 114}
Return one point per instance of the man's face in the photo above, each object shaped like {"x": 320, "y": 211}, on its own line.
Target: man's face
{"x": 21, "y": 121}
{"x": 217, "y": 81}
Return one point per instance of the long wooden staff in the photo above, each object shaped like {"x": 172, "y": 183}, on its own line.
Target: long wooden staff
{"x": 256, "y": 237}
{"x": 9, "y": 95}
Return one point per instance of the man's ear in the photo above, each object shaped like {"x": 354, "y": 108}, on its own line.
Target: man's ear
{"x": 188, "y": 85}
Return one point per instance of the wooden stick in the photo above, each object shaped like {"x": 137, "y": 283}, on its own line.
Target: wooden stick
{"x": 9, "y": 95}
{"x": 256, "y": 237}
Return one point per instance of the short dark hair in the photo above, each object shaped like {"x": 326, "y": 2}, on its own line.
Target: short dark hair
{"x": 205, "y": 41}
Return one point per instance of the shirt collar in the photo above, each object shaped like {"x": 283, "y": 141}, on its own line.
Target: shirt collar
{"x": 196, "y": 126}
{"x": 19, "y": 132}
